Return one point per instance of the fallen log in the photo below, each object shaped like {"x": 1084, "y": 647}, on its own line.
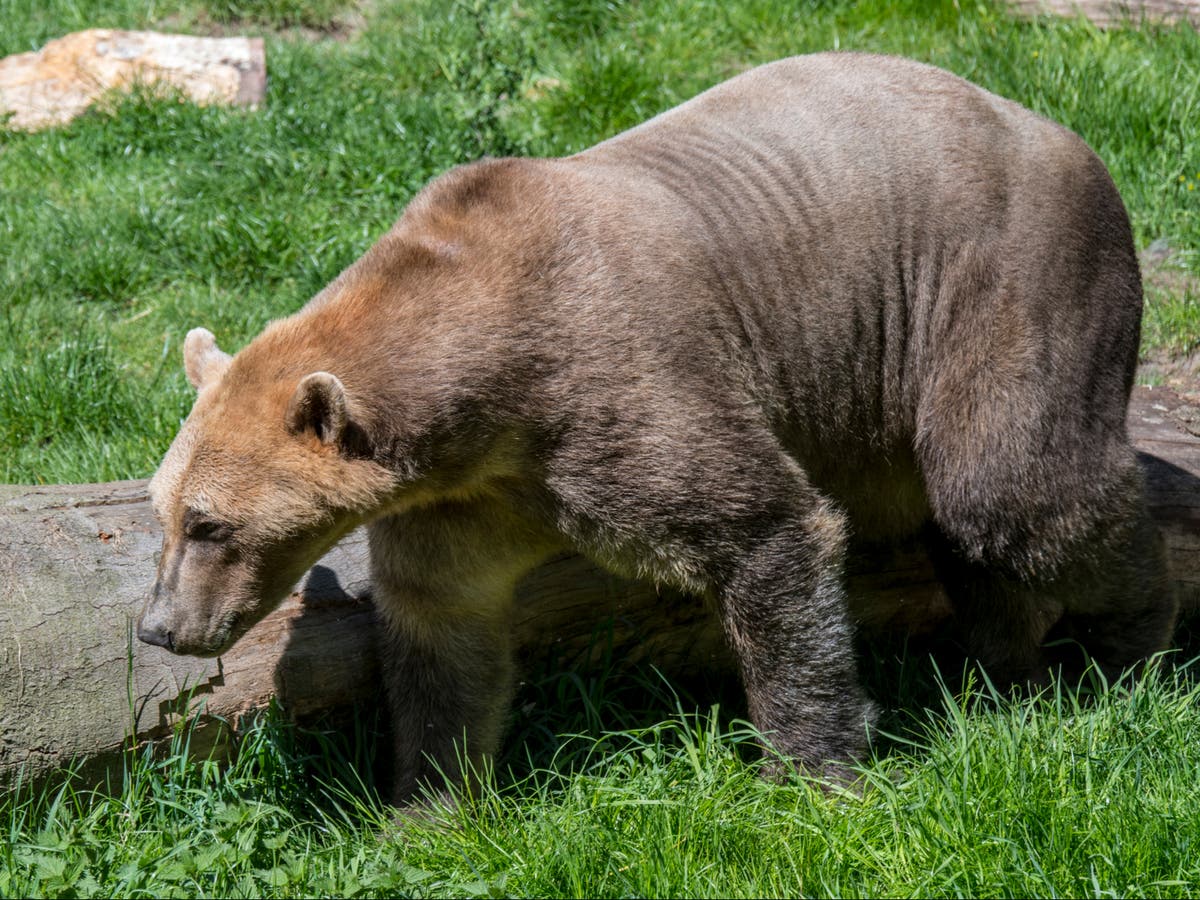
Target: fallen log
{"x": 76, "y": 562}
{"x": 1112, "y": 13}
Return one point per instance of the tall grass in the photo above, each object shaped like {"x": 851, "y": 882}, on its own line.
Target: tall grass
{"x": 149, "y": 216}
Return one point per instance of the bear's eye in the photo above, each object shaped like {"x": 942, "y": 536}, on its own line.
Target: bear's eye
{"x": 199, "y": 527}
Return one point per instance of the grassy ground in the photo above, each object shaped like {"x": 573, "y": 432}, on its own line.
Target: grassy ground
{"x": 1053, "y": 797}
{"x": 135, "y": 223}
{"x": 145, "y": 218}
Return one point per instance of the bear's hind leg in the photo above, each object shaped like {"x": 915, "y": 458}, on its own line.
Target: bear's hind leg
{"x": 1126, "y": 611}
{"x": 1000, "y": 621}
{"x": 1047, "y": 535}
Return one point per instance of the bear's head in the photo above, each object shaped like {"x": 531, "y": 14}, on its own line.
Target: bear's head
{"x": 270, "y": 469}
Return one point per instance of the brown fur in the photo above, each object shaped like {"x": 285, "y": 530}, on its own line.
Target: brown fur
{"x": 838, "y": 297}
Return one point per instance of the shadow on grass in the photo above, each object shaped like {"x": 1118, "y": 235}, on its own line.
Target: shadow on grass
{"x": 566, "y": 721}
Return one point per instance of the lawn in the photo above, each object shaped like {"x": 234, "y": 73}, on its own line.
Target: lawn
{"x": 150, "y": 216}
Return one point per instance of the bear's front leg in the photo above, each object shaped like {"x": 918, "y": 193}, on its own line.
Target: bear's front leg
{"x": 444, "y": 578}
{"x": 714, "y": 506}
{"x": 448, "y": 682}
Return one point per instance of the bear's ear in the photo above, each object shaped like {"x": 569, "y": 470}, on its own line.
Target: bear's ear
{"x": 319, "y": 405}
{"x": 203, "y": 361}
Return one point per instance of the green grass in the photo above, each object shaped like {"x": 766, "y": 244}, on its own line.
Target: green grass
{"x": 1053, "y": 796}
{"x": 323, "y": 15}
{"x": 1171, "y": 321}
{"x": 149, "y": 216}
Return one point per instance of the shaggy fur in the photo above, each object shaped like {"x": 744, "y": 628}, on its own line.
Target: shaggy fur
{"x": 836, "y": 296}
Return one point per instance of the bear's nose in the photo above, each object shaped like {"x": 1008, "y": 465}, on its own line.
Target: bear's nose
{"x": 154, "y": 634}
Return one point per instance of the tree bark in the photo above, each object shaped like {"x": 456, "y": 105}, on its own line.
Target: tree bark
{"x": 76, "y": 562}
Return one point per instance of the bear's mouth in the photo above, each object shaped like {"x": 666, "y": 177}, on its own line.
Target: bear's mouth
{"x": 225, "y": 637}
{"x": 232, "y": 630}
{"x": 231, "y": 627}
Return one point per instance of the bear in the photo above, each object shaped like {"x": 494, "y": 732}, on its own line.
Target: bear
{"x": 839, "y": 296}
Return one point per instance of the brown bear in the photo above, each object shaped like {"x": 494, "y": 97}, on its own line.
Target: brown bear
{"x": 838, "y": 295}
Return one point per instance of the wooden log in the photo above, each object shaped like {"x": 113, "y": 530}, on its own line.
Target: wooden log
{"x": 1111, "y": 13}
{"x": 76, "y": 562}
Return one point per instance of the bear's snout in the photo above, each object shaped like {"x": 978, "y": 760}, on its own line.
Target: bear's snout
{"x": 153, "y": 625}
{"x": 150, "y": 631}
